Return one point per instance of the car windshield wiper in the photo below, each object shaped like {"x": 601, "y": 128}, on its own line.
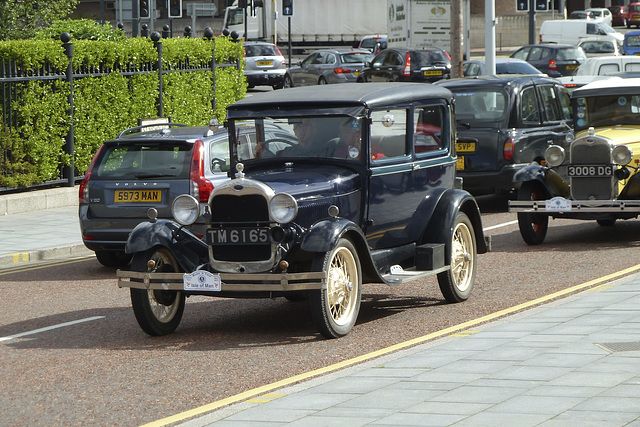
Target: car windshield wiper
{"x": 155, "y": 175}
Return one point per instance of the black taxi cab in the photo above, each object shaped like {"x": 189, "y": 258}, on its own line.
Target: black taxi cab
{"x": 596, "y": 177}
{"x": 504, "y": 123}
{"x": 362, "y": 190}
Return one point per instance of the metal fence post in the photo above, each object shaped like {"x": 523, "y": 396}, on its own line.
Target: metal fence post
{"x": 155, "y": 36}
{"x": 69, "y": 170}
{"x": 208, "y": 33}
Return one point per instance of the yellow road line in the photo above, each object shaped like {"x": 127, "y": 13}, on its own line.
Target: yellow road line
{"x": 419, "y": 340}
{"x": 25, "y": 267}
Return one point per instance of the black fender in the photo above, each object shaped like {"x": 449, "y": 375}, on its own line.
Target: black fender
{"x": 442, "y": 221}
{"x": 553, "y": 183}
{"x": 323, "y": 235}
{"x": 189, "y": 251}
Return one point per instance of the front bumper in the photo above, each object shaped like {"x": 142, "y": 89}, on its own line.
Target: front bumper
{"x": 231, "y": 282}
{"x": 575, "y": 206}
{"x": 265, "y": 78}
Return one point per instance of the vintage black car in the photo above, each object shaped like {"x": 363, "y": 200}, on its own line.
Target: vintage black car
{"x": 597, "y": 179}
{"x": 367, "y": 193}
{"x": 504, "y": 123}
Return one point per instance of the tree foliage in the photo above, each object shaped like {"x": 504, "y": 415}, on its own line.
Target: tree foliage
{"x": 20, "y": 19}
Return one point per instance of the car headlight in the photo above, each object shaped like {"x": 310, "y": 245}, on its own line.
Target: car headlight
{"x": 283, "y": 208}
{"x": 185, "y": 209}
{"x": 622, "y": 155}
{"x": 554, "y": 155}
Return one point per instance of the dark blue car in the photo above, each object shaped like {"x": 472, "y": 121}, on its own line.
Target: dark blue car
{"x": 366, "y": 192}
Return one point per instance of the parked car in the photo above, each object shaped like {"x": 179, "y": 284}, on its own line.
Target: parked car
{"x": 618, "y": 15}
{"x": 477, "y": 67}
{"x": 264, "y": 65}
{"x": 597, "y": 46}
{"x": 328, "y": 66}
{"x": 631, "y": 44}
{"x": 582, "y": 14}
{"x": 633, "y": 15}
{"x": 373, "y": 43}
{"x": 600, "y": 68}
{"x": 602, "y": 15}
{"x": 596, "y": 177}
{"x": 408, "y": 65}
{"x": 555, "y": 60}
{"x": 147, "y": 168}
{"x": 505, "y": 123}
{"x": 571, "y": 31}
{"x": 317, "y": 218}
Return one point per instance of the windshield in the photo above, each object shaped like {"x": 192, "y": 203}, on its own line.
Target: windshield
{"x": 477, "y": 107}
{"x": 602, "y": 111}
{"x": 235, "y": 17}
{"x": 337, "y": 137}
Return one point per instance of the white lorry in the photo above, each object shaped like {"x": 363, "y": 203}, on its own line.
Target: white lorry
{"x": 313, "y": 22}
{"x": 419, "y": 23}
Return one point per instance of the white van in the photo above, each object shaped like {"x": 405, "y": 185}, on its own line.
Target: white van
{"x": 571, "y": 31}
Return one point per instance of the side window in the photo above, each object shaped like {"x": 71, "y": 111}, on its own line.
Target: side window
{"x": 329, "y": 58}
{"x": 389, "y": 133}
{"x": 550, "y": 103}
{"x": 380, "y": 59}
{"x": 632, "y": 66}
{"x": 427, "y": 132}
{"x": 536, "y": 54}
{"x": 529, "y": 107}
{"x": 308, "y": 60}
{"x": 592, "y": 29}
{"x": 608, "y": 68}
{"x": 522, "y": 54}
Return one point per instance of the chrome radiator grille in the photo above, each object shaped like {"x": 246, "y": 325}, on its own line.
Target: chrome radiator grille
{"x": 595, "y": 152}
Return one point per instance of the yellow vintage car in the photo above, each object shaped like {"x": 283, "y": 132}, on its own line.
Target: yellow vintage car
{"x": 597, "y": 179}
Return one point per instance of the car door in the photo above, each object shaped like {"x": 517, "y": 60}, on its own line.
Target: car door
{"x": 389, "y": 69}
{"x": 301, "y": 75}
{"x": 545, "y": 119}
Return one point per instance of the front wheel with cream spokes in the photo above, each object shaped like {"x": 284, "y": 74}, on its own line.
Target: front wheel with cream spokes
{"x": 457, "y": 282}
{"x": 335, "y": 309}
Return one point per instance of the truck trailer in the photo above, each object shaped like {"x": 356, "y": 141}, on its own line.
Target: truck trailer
{"x": 312, "y": 22}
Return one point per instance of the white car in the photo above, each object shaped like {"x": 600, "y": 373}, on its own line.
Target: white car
{"x": 602, "y": 15}
{"x": 600, "y": 68}
{"x": 600, "y": 46}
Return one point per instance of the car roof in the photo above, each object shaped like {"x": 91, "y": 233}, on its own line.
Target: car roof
{"x": 500, "y": 80}
{"x": 551, "y": 45}
{"x": 632, "y": 33}
{"x": 347, "y": 98}
{"x": 611, "y": 86}
{"x": 173, "y": 134}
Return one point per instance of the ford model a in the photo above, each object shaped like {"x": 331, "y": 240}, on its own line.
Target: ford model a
{"x": 358, "y": 186}
{"x": 597, "y": 179}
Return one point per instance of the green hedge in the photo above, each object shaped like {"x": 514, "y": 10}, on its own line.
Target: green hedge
{"x": 32, "y": 146}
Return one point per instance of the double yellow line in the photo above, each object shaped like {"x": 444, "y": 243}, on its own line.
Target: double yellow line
{"x": 419, "y": 340}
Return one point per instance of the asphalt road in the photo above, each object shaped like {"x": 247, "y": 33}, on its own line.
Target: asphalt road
{"x": 85, "y": 361}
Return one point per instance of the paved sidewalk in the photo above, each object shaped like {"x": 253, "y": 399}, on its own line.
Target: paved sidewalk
{"x": 574, "y": 362}
{"x": 40, "y": 225}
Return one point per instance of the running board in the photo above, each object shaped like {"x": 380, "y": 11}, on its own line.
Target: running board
{"x": 398, "y": 277}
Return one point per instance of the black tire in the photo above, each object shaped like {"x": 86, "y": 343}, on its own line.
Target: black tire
{"x": 334, "y": 310}
{"x": 158, "y": 312}
{"x": 115, "y": 259}
{"x": 322, "y": 81}
{"x": 287, "y": 82}
{"x": 456, "y": 283}
{"x": 610, "y": 222}
{"x": 533, "y": 226}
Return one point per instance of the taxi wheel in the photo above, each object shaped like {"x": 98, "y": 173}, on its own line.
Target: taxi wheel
{"x": 533, "y": 227}
{"x": 334, "y": 310}
{"x": 158, "y": 312}
{"x": 117, "y": 259}
{"x": 287, "y": 82}
{"x": 456, "y": 283}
